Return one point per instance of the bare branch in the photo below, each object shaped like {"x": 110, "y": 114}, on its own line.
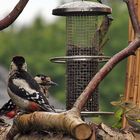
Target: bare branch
{"x": 98, "y": 131}
{"x": 8, "y": 20}
{"x": 86, "y": 94}
{"x": 133, "y": 16}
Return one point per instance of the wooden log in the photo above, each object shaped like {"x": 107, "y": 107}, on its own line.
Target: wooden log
{"x": 99, "y": 132}
{"x": 69, "y": 121}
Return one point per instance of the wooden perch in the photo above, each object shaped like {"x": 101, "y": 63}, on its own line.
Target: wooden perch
{"x": 69, "y": 121}
{"x": 101, "y": 131}
{"x": 9, "y": 19}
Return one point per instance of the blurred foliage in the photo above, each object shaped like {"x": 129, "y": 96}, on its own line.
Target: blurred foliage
{"x": 41, "y": 41}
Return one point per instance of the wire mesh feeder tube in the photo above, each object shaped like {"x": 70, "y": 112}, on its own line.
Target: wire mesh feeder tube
{"x": 79, "y": 74}
{"x": 82, "y": 40}
{"x": 80, "y": 33}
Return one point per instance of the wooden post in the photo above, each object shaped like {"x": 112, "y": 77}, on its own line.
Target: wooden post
{"x": 132, "y": 90}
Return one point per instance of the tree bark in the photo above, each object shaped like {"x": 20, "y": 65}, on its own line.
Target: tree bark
{"x": 68, "y": 121}
{"x": 99, "y": 132}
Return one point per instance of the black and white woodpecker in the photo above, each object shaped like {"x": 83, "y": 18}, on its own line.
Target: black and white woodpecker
{"x": 10, "y": 110}
{"x": 23, "y": 90}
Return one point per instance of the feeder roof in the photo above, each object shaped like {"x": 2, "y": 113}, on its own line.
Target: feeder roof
{"x": 82, "y": 8}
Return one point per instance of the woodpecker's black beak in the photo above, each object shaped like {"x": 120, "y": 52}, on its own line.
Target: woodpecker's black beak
{"x": 51, "y": 83}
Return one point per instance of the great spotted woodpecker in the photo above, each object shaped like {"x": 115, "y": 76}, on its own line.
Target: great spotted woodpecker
{"x": 23, "y": 90}
{"x": 9, "y": 109}
{"x": 45, "y": 83}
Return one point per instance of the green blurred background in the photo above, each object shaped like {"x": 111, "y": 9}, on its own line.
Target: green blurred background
{"x": 41, "y": 41}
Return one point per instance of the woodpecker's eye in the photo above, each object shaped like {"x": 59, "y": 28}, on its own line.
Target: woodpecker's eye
{"x": 43, "y": 78}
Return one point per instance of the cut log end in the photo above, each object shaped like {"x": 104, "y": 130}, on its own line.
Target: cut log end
{"x": 82, "y": 131}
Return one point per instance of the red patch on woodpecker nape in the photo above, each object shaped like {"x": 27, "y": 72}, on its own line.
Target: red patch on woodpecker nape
{"x": 34, "y": 106}
{"x": 11, "y": 114}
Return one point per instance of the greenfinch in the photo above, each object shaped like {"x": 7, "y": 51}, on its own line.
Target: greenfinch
{"x": 131, "y": 112}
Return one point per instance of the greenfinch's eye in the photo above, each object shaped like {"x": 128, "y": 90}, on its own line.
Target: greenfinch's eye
{"x": 126, "y": 103}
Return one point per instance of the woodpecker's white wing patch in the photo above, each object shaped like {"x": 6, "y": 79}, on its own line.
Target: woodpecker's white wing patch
{"x": 22, "y": 84}
{"x": 19, "y": 101}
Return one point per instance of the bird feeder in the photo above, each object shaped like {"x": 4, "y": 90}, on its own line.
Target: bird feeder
{"x": 82, "y": 48}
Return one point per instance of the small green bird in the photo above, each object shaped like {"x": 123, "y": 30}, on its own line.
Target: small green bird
{"x": 118, "y": 118}
{"x": 131, "y": 112}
